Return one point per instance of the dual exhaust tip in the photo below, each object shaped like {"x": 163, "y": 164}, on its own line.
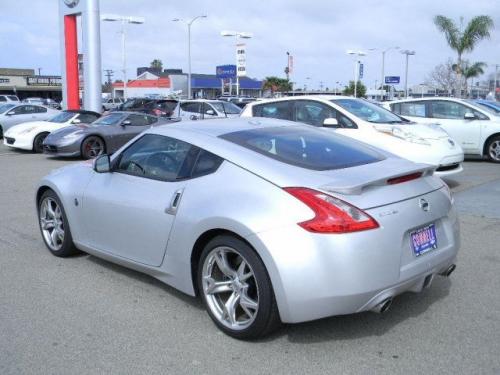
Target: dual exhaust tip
{"x": 383, "y": 306}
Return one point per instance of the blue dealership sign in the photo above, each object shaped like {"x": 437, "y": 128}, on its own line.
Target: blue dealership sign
{"x": 225, "y": 71}
{"x": 392, "y": 79}
{"x": 361, "y": 69}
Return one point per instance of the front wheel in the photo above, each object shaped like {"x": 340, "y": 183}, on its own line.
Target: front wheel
{"x": 92, "y": 147}
{"x": 54, "y": 225}
{"x": 236, "y": 289}
{"x": 493, "y": 149}
{"x": 38, "y": 142}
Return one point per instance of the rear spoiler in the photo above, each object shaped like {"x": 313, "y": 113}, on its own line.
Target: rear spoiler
{"x": 354, "y": 183}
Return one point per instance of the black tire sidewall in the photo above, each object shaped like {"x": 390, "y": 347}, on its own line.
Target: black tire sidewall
{"x": 44, "y": 135}
{"x": 68, "y": 248}
{"x": 267, "y": 315}
{"x": 494, "y": 139}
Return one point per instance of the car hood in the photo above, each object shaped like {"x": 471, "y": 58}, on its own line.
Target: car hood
{"x": 26, "y": 125}
{"x": 425, "y": 131}
{"x": 67, "y": 130}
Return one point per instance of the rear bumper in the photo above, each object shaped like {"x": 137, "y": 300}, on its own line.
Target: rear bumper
{"x": 316, "y": 275}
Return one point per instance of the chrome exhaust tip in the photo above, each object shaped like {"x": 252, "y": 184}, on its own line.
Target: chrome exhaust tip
{"x": 383, "y": 306}
{"x": 449, "y": 270}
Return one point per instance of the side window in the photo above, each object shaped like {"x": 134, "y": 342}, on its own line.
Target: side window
{"x": 312, "y": 112}
{"x": 415, "y": 109}
{"x": 22, "y": 110}
{"x": 280, "y": 110}
{"x": 448, "y": 110}
{"x": 3, "y": 99}
{"x": 207, "y": 107}
{"x": 138, "y": 120}
{"x": 191, "y": 107}
{"x": 156, "y": 157}
{"x": 87, "y": 118}
{"x": 38, "y": 109}
{"x": 206, "y": 163}
{"x": 151, "y": 120}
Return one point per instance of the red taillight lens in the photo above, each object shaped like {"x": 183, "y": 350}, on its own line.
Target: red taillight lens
{"x": 332, "y": 214}
{"x": 400, "y": 179}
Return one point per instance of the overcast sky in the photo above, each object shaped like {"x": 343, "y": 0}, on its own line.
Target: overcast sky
{"x": 317, "y": 34}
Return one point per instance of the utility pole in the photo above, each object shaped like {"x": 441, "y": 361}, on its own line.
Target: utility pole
{"x": 321, "y": 85}
{"x": 39, "y": 71}
{"x": 495, "y": 85}
{"x": 287, "y": 69}
{"x": 109, "y": 75}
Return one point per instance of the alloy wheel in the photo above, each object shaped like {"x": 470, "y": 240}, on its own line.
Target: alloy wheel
{"x": 93, "y": 147}
{"x": 494, "y": 150}
{"x": 230, "y": 288}
{"x": 52, "y": 224}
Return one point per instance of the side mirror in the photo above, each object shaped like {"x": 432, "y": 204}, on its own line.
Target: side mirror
{"x": 469, "y": 116}
{"x": 193, "y": 117}
{"x": 331, "y": 122}
{"x": 102, "y": 164}
{"x": 10, "y": 113}
{"x": 125, "y": 123}
{"x": 210, "y": 112}
{"x": 76, "y": 121}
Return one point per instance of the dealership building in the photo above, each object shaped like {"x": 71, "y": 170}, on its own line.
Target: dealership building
{"x": 25, "y": 83}
{"x": 151, "y": 82}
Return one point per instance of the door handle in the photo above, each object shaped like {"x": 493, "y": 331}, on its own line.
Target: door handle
{"x": 174, "y": 203}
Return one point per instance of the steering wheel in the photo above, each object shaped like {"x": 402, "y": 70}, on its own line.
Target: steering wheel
{"x": 160, "y": 163}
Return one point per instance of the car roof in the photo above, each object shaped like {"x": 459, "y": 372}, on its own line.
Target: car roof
{"x": 322, "y": 97}
{"x": 425, "y": 99}
{"x": 82, "y": 111}
{"x": 217, "y": 127}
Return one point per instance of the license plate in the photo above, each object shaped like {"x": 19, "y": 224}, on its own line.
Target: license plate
{"x": 424, "y": 240}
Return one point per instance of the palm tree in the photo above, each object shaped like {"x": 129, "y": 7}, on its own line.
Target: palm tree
{"x": 463, "y": 40}
{"x": 157, "y": 64}
{"x": 472, "y": 71}
{"x": 277, "y": 84}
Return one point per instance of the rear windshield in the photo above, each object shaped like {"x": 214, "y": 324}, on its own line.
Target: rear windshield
{"x": 307, "y": 148}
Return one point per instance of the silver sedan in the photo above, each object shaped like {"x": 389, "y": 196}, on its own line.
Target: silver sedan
{"x": 268, "y": 221}
{"x": 13, "y": 113}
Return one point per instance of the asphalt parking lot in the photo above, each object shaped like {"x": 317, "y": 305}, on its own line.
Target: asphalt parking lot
{"x": 84, "y": 315}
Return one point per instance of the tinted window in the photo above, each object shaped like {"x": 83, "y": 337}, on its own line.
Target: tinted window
{"x": 415, "y": 109}
{"x": 312, "y": 113}
{"x": 280, "y": 110}
{"x": 191, "y": 107}
{"x": 111, "y": 119}
{"x": 6, "y": 107}
{"x": 155, "y": 156}
{"x": 38, "y": 109}
{"x": 13, "y": 97}
{"x": 368, "y": 111}
{"x": 206, "y": 163}
{"x": 139, "y": 120}
{"x": 3, "y": 99}
{"x": 87, "y": 118}
{"x": 452, "y": 110}
{"x": 311, "y": 148}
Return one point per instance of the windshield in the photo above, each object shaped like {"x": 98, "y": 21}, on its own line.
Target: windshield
{"x": 62, "y": 117}
{"x": 6, "y": 107}
{"x": 226, "y": 107}
{"x": 111, "y": 119}
{"x": 492, "y": 108}
{"x": 308, "y": 148}
{"x": 369, "y": 112}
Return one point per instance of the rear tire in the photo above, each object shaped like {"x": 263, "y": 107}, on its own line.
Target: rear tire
{"x": 239, "y": 298}
{"x": 54, "y": 225}
{"x": 38, "y": 142}
{"x": 92, "y": 147}
{"x": 493, "y": 149}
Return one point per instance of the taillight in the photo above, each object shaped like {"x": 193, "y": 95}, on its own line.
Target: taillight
{"x": 405, "y": 178}
{"x": 332, "y": 215}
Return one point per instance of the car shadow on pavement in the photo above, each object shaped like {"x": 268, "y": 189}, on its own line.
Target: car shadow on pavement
{"x": 347, "y": 327}
{"x": 146, "y": 279}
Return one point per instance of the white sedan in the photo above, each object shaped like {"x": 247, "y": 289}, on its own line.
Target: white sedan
{"x": 474, "y": 127}
{"x": 30, "y": 135}
{"x": 369, "y": 123}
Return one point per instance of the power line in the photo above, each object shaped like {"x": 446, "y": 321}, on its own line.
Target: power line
{"x": 109, "y": 74}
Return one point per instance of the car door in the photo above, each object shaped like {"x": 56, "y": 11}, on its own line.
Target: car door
{"x": 451, "y": 116}
{"x": 130, "y": 211}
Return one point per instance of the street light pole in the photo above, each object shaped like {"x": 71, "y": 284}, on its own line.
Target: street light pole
{"x": 356, "y": 68}
{"x": 382, "y": 76}
{"x": 124, "y": 20}
{"x": 495, "y": 85}
{"x": 407, "y": 53}
{"x": 189, "y": 23}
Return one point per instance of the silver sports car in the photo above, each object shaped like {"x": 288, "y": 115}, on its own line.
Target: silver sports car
{"x": 267, "y": 220}
{"x": 107, "y": 134}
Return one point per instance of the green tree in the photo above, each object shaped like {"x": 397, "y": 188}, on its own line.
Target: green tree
{"x": 157, "y": 64}
{"x": 470, "y": 71}
{"x": 462, "y": 39}
{"x": 276, "y": 84}
{"x": 360, "y": 89}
